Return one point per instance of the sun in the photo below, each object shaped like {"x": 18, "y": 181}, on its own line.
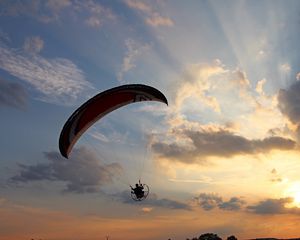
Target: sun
{"x": 297, "y": 198}
{"x": 294, "y": 191}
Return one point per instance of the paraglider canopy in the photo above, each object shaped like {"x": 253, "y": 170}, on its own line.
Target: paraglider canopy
{"x": 100, "y": 105}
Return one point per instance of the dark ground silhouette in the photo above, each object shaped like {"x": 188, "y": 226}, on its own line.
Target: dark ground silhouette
{"x": 213, "y": 236}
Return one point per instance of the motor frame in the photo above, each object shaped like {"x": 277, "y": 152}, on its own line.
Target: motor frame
{"x": 146, "y": 193}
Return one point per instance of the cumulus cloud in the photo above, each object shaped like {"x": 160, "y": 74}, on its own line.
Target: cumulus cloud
{"x": 205, "y": 143}
{"x": 58, "y": 80}
{"x": 213, "y": 86}
{"x": 197, "y": 80}
{"x": 81, "y": 173}
{"x": 274, "y": 206}
{"x": 215, "y": 112}
{"x": 211, "y": 93}
{"x": 33, "y": 44}
{"x": 210, "y": 201}
{"x": 153, "y": 18}
{"x": 134, "y": 50}
{"x": 12, "y": 94}
{"x": 153, "y": 201}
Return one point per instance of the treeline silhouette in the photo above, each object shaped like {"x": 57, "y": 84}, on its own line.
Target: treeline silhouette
{"x": 210, "y": 236}
{"x": 213, "y": 236}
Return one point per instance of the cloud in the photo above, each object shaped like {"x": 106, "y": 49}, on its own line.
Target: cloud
{"x": 12, "y": 94}
{"x": 275, "y": 177}
{"x": 285, "y": 67}
{"x": 211, "y": 93}
{"x": 43, "y": 11}
{"x": 152, "y": 17}
{"x": 93, "y": 21}
{"x": 205, "y": 143}
{"x": 153, "y": 201}
{"x": 213, "y": 86}
{"x": 139, "y": 5}
{"x": 196, "y": 81}
{"x": 274, "y": 206}
{"x": 157, "y": 20}
{"x": 58, "y": 5}
{"x": 298, "y": 76}
{"x": 289, "y": 102}
{"x": 4, "y": 37}
{"x": 82, "y": 173}
{"x": 96, "y": 13}
{"x": 134, "y": 50}
{"x": 51, "y": 10}
{"x": 33, "y": 44}
{"x": 99, "y": 136}
{"x": 259, "y": 86}
{"x": 202, "y": 179}
{"x": 58, "y": 80}
{"x": 215, "y": 112}
{"x": 144, "y": 209}
{"x": 233, "y": 204}
{"x": 210, "y": 201}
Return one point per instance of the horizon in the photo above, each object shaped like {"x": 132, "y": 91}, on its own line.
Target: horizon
{"x": 222, "y": 157}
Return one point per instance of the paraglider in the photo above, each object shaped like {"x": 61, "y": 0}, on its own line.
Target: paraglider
{"x": 96, "y": 108}
{"x": 140, "y": 191}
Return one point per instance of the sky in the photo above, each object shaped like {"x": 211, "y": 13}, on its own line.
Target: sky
{"x": 222, "y": 157}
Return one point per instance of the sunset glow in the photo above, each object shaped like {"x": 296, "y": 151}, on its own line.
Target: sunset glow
{"x": 222, "y": 156}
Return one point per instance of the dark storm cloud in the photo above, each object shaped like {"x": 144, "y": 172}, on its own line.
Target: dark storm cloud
{"x": 12, "y": 94}
{"x": 289, "y": 102}
{"x": 218, "y": 143}
{"x": 153, "y": 201}
{"x": 209, "y": 201}
{"x": 274, "y": 206}
{"x": 81, "y": 173}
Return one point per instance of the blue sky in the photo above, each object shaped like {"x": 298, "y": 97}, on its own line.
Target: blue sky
{"x": 223, "y": 157}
